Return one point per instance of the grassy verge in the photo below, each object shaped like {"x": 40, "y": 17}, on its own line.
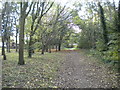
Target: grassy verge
{"x": 96, "y": 55}
{"x": 110, "y": 70}
{"x": 70, "y": 48}
{"x": 38, "y": 72}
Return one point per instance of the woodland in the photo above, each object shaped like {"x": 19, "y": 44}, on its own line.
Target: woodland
{"x": 41, "y": 40}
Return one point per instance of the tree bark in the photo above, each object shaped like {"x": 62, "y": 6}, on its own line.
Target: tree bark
{"x": 119, "y": 17}
{"x": 30, "y": 48}
{"x": 119, "y": 38}
{"x": 3, "y": 46}
{"x": 102, "y": 18}
{"x": 59, "y": 46}
{"x": 16, "y": 38}
{"x": 21, "y": 41}
{"x": 43, "y": 49}
{"x": 9, "y": 44}
{"x": 23, "y": 15}
{"x": 16, "y": 43}
{"x": 60, "y": 42}
{"x": 56, "y": 48}
{"x": 3, "y": 49}
{"x": 21, "y": 36}
{"x": 46, "y": 49}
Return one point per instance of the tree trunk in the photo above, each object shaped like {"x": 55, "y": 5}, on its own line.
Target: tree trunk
{"x": 16, "y": 40}
{"x": 119, "y": 17}
{"x": 59, "y": 46}
{"x": 43, "y": 49}
{"x": 56, "y": 48}
{"x": 4, "y": 57}
{"x": 9, "y": 44}
{"x": 102, "y": 18}
{"x": 60, "y": 42}
{"x": 119, "y": 38}
{"x": 30, "y": 48}
{"x": 49, "y": 49}
{"x": 21, "y": 41}
{"x": 46, "y": 49}
{"x": 23, "y": 15}
{"x": 3, "y": 49}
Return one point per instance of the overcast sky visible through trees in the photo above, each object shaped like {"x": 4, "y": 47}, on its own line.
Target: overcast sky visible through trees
{"x": 69, "y": 3}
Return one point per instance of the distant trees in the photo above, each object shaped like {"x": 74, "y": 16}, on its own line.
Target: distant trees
{"x": 61, "y": 23}
{"x": 16, "y": 23}
{"x": 99, "y": 29}
{"x": 51, "y": 28}
{"x": 47, "y": 25}
{"x": 6, "y": 28}
{"x": 42, "y": 9}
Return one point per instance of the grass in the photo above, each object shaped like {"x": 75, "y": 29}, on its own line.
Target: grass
{"x": 111, "y": 71}
{"x": 96, "y": 57}
{"x": 38, "y": 72}
{"x": 71, "y": 49}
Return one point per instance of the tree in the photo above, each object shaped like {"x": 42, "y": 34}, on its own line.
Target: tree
{"x": 119, "y": 17}
{"x": 16, "y": 14}
{"x": 52, "y": 28}
{"x": 119, "y": 35}
{"x": 5, "y": 14}
{"x": 23, "y": 15}
{"x": 100, "y": 29}
{"x": 42, "y": 9}
{"x": 60, "y": 23}
{"x": 102, "y": 18}
{"x": 16, "y": 36}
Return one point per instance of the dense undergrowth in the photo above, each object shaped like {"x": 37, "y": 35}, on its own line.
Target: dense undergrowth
{"x": 99, "y": 56}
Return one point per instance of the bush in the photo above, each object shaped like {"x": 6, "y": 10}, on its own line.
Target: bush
{"x": 37, "y": 45}
{"x": 100, "y": 46}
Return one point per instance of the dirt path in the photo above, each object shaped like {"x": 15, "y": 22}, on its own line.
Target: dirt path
{"x": 79, "y": 71}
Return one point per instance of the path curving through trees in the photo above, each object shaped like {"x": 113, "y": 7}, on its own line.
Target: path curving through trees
{"x": 80, "y": 71}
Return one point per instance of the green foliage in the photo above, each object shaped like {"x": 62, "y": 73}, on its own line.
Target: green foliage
{"x": 112, "y": 53}
{"x": 37, "y": 46}
{"x": 83, "y": 43}
{"x": 71, "y": 39}
{"x": 99, "y": 30}
{"x": 100, "y": 46}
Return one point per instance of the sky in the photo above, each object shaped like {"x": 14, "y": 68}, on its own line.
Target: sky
{"x": 70, "y": 2}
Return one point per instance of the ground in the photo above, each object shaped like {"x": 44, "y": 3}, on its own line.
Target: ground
{"x": 65, "y": 69}
{"x": 79, "y": 71}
